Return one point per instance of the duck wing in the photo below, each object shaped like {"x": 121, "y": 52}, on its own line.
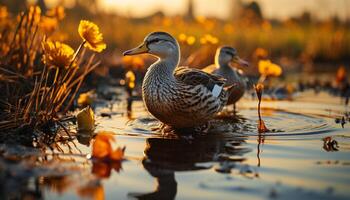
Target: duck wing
{"x": 191, "y": 76}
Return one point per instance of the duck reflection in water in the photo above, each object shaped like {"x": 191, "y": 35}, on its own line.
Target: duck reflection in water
{"x": 164, "y": 157}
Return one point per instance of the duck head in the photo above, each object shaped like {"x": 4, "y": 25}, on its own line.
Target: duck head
{"x": 158, "y": 44}
{"x": 224, "y": 55}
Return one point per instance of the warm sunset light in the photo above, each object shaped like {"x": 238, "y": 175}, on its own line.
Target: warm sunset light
{"x": 185, "y": 99}
{"x": 221, "y": 9}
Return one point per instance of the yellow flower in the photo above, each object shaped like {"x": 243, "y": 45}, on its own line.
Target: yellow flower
{"x": 130, "y": 79}
{"x": 182, "y": 37}
{"x": 91, "y": 35}
{"x": 267, "y": 68}
{"x": 3, "y": 12}
{"x": 57, "y": 12}
{"x": 261, "y": 53}
{"x": 57, "y": 54}
{"x": 208, "y": 38}
{"x": 191, "y": 40}
{"x": 86, "y": 119}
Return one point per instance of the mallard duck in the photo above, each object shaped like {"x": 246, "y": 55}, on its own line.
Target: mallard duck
{"x": 223, "y": 57}
{"x": 180, "y": 97}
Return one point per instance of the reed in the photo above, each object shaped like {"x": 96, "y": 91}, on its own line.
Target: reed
{"x": 40, "y": 77}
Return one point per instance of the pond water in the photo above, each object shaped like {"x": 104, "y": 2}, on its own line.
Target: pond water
{"x": 306, "y": 156}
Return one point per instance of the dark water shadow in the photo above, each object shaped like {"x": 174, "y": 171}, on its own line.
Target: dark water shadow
{"x": 165, "y": 157}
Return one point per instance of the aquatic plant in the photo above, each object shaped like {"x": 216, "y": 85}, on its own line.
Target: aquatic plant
{"x": 261, "y": 124}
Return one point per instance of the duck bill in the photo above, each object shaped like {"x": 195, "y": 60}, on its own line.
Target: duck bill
{"x": 138, "y": 50}
{"x": 240, "y": 61}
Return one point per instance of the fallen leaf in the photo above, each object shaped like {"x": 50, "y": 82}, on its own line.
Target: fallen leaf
{"x": 118, "y": 154}
{"x": 102, "y": 147}
{"x": 86, "y": 119}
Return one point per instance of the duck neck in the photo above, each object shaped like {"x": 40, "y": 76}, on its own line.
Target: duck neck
{"x": 222, "y": 65}
{"x": 165, "y": 66}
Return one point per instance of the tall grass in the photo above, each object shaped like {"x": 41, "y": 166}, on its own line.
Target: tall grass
{"x": 327, "y": 40}
{"x": 39, "y": 77}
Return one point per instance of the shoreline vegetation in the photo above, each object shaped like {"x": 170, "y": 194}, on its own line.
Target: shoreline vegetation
{"x": 40, "y": 76}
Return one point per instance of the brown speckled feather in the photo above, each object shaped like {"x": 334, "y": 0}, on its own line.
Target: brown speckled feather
{"x": 194, "y": 77}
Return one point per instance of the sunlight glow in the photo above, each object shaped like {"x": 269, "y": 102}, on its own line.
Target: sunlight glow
{"x": 221, "y": 9}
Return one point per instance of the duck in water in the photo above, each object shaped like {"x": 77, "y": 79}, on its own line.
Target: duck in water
{"x": 223, "y": 57}
{"x": 179, "y": 97}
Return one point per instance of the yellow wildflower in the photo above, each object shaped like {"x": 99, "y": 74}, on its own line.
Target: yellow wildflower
{"x": 57, "y": 54}
{"x": 3, "y": 12}
{"x": 86, "y": 119}
{"x": 191, "y": 40}
{"x": 208, "y": 38}
{"x": 260, "y": 53}
{"x": 267, "y": 68}
{"x": 91, "y": 34}
{"x": 182, "y": 37}
{"x": 130, "y": 79}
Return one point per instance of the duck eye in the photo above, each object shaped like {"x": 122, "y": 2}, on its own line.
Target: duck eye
{"x": 229, "y": 53}
{"x": 155, "y": 40}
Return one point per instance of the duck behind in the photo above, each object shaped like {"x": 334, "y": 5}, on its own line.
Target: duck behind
{"x": 224, "y": 55}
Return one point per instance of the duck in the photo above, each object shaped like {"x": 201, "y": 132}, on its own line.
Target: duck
{"x": 223, "y": 57}
{"x": 178, "y": 96}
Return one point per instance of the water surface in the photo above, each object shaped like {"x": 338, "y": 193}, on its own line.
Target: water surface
{"x": 233, "y": 161}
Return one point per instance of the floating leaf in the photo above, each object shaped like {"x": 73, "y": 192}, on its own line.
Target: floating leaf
{"x": 102, "y": 147}
{"x": 118, "y": 154}
{"x": 86, "y": 119}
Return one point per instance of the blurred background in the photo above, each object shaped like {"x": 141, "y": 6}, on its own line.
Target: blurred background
{"x": 301, "y": 36}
